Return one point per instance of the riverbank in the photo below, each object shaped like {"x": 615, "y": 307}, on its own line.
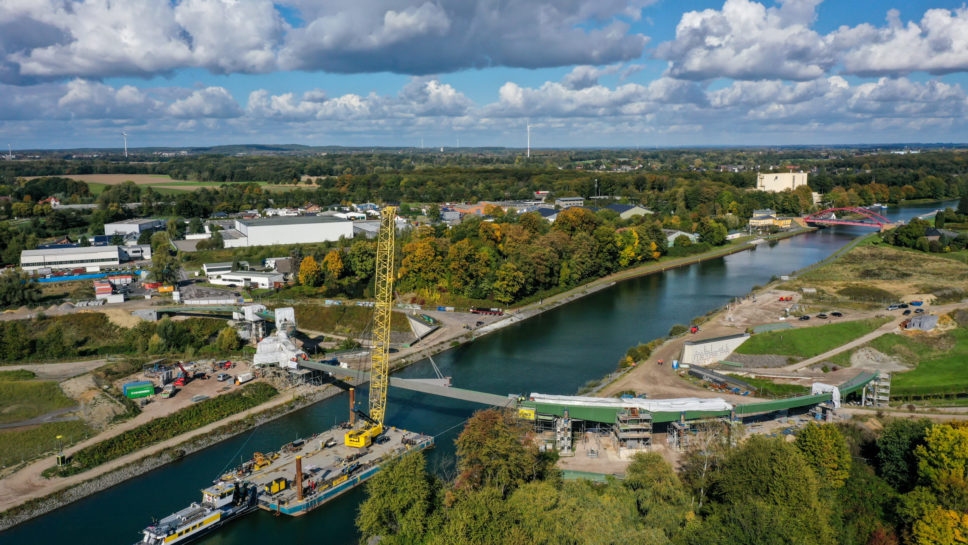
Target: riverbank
{"x": 38, "y": 497}
{"x": 446, "y": 342}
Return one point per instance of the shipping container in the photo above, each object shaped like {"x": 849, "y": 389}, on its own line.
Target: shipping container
{"x": 134, "y": 390}
{"x": 166, "y": 289}
{"x": 243, "y": 378}
{"x": 152, "y": 285}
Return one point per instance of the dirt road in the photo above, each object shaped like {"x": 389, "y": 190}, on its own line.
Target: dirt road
{"x": 28, "y": 483}
{"x": 58, "y": 371}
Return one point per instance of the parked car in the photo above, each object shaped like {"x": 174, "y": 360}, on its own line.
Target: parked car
{"x": 919, "y": 311}
{"x": 903, "y": 305}
{"x": 822, "y": 316}
{"x": 907, "y": 312}
{"x": 804, "y": 317}
{"x": 836, "y": 314}
{"x": 222, "y": 377}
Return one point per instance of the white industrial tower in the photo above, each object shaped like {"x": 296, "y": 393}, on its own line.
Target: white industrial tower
{"x": 529, "y": 138}
{"x": 124, "y": 135}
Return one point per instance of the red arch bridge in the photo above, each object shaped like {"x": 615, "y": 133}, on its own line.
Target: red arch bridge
{"x": 849, "y": 216}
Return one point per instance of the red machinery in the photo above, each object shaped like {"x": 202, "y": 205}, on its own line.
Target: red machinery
{"x": 184, "y": 377}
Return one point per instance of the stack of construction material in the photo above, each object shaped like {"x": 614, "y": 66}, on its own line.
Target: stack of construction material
{"x": 102, "y": 289}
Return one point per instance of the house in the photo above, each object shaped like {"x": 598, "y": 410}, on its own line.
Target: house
{"x": 774, "y": 182}
{"x": 248, "y": 279}
{"x": 568, "y": 202}
{"x": 767, "y": 218}
{"x": 673, "y": 234}
{"x": 626, "y": 211}
{"x": 937, "y": 234}
{"x": 923, "y": 322}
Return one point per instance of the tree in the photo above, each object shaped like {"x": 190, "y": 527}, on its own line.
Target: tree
{"x": 433, "y": 212}
{"x": 116, "y": 240}
{"x": 712, "y": 232}
{"x": 84, "y": 242}
{"x": 941, "y": 527}
{"x": 896, "y": 461}
{"x": 17, "y": 289}
{"x": 508, "y": 282}
{"x": 659, "y": 494}
{"x": 943, "y": 464}
{"x": 399, "y": 500}
{"x": 494, "y": 451}
{"x": 576, "y": 219}
{"x": 825, "y": 449}
{"x": 310, "y": 273}
{"x": 333, "y": 263}
{"x": 963, "y": 205}
{"x": 164, "y": 264}
{"x": 228, "y": 340}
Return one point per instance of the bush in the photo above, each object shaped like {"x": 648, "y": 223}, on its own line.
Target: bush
{"x": 677, "y": 330}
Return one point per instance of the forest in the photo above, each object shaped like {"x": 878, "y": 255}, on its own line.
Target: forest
{"x": 854, "y": 483}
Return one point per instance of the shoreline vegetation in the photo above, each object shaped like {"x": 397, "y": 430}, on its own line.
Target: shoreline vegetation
{"x": 38, "y": 506}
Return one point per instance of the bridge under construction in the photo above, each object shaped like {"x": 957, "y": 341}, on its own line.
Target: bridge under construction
{"x": 632, "y": 420}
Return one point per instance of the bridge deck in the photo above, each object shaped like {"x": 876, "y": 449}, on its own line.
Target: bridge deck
{"x": 417, "y": 385}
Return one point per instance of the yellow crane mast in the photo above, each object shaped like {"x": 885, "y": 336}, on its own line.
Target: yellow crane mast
{"x": 380, "y": 353}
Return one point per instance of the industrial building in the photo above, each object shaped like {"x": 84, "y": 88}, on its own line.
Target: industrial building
{"x": 90, "y": 258}
{"x": 134, "y": 226}
{"x": 248, "y": 279}
{"x": 287, "y": 230}
{"x": 568, "y": 202}
{"x": 775, "y": 182}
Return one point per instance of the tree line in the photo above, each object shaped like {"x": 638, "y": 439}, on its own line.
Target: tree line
{"x": 834, "y": 484}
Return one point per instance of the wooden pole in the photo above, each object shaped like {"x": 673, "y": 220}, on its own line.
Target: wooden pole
{"x": 299, "y": 490}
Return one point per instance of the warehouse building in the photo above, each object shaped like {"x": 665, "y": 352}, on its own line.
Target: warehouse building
{"x": 251, "y": 279}
{"x": 775, "y": 182}
{"x": 134, "y": 226}
{"x": 288, "y": 230}
{"x": 90, "y": 258}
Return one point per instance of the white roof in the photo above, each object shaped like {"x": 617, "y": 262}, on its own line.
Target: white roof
{"x": 65, "y": 251}
{"x": 252, "y": 274}
{"x": 651, "y": 405}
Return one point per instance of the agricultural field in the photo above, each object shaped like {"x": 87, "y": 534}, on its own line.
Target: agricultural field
{"x": 162, "y": 183}
{"x": 876, "y": 273}
{"x": 807, "y": 342}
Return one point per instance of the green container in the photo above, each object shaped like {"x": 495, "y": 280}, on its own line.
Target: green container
{"x": 141, "y": 391}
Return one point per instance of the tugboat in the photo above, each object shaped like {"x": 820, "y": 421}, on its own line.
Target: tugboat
{"x": 221, "y": 503}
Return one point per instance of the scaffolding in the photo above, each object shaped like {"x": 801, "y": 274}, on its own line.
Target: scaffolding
{"x": 877, "y": 393}
{"x": 633, "y": 428}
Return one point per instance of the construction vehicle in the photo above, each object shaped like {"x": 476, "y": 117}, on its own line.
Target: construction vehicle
{"x": 260, "y": 461}
{"x": 184, "y": 377}
{"x": 380, "y": 355}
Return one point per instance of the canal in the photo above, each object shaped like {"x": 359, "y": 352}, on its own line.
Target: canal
{"x": 555, "y": 352}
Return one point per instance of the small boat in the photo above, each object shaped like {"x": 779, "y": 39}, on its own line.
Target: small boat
{"x": 221, "y": 503}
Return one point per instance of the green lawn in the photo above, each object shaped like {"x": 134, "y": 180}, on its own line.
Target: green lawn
{"x": 942, "y": 363}
{"x": 22, "y": 400}
{"x": 807, "y": 342}
{"x": 344, "y": 319}
{"x": 27, "y": 443}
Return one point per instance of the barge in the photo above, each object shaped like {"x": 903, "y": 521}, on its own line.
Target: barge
{"x": 301, "y": 476}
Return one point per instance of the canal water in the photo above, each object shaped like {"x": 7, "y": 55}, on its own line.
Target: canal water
{"x": 555, "y": 352}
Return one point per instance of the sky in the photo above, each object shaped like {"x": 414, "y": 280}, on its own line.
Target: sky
{"x": 582, "y": 73}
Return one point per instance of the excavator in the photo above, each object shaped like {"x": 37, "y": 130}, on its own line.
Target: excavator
{"x": 380, "y": 354}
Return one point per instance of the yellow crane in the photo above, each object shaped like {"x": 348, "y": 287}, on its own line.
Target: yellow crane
{"x": 380, "y": 354}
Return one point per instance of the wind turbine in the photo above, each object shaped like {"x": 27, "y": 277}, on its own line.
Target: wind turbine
{"x": 124, "y": 135}
{"x": 9, "y": 152}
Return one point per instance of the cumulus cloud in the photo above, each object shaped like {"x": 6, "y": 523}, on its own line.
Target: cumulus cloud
{"x": 938, "y": 45}
{"x": 90, "y": 99}
{"x": 50, "y": 39}
{"x": 421, "y": 97}
{"x": 746, "y": 40}
{"x": 214, "y": 102}
{"x": 431, "y": 37}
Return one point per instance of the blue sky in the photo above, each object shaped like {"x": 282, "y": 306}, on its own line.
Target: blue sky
{"x": 395, "y": 72}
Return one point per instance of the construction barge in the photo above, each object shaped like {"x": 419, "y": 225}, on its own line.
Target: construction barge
{"x": 299, "y": 477}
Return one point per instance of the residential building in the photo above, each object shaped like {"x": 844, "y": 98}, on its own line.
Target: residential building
{"x": 89, "y": 258}
{"x": 937, "y": 234}
{"x": 768, "y": 218}
{"x": 774, "y": 182}
{"x": 248, "y": 279}
{"x": 568, "y": 202}
{"x": 134, "y": 226}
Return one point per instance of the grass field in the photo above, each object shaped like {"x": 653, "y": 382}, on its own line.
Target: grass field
{"x": 163, "y": 184}
{"x": 344, "y": 319}
{"x": 22, "y": 400}
{"x": 27, "y": 443}
{"x": 809, "y": 341}
{"x": 942, "y": 363}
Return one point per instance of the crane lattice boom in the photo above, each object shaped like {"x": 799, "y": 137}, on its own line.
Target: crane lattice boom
{"x": 380, "y": 354}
